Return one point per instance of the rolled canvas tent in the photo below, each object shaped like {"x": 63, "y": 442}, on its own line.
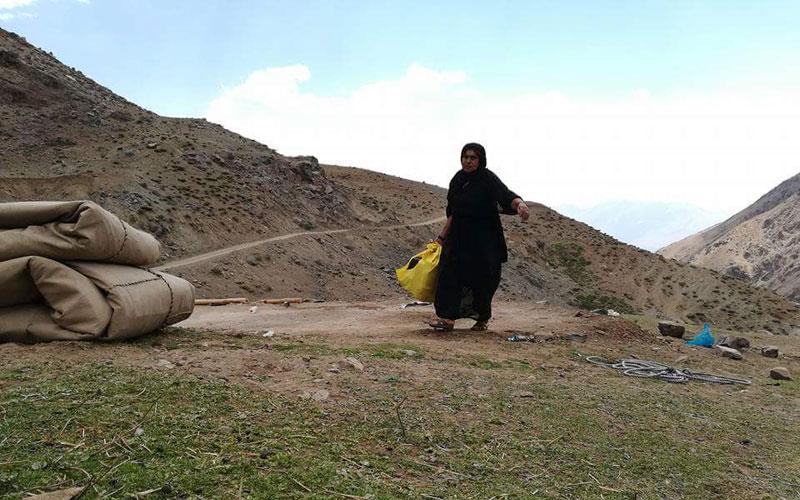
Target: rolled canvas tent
{"x": 72, "y": 230}
{"x": 46, "y": 293}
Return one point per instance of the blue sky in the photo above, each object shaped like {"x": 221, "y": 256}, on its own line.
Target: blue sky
{"x": 577, "y": 102}
{"x": 175, "y": 56}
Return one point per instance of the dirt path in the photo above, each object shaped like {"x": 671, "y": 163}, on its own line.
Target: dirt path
{"x": 242, "y": 246}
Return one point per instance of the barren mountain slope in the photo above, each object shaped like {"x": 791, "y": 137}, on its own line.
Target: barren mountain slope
{"x": 199, "y": 188}
{"x": 760, "y": 244}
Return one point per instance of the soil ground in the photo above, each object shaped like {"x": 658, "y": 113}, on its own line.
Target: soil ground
{"x": 218, "y": 407}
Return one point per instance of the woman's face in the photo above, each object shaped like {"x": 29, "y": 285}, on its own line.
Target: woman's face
{"x": 470, "y": 161}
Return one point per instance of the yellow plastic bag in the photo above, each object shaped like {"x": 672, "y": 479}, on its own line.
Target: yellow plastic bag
{"x": 420, "y": 275}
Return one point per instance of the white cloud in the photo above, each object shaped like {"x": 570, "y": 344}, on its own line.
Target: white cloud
{"x": 718, "y": 150}
{"x": 13, "y": 4}
{"x": 6, "y": 16}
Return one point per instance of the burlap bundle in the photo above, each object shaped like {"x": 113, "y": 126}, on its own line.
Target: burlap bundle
{"x": 50, "y": 291}
{"x": 72, "y": 230}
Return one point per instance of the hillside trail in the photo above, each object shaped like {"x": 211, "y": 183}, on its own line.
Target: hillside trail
{"x": 242, "y": 246}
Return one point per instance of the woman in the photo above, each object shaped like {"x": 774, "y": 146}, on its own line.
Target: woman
{"x": 474, "y": 247}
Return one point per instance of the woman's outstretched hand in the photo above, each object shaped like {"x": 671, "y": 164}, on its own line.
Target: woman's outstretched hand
{"x": 523, "y": 211}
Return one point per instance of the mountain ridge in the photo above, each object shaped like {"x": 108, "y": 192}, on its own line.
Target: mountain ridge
{"x": 199, "y": 187}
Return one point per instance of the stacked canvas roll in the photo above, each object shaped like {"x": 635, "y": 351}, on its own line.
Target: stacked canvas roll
{"x": 74, "y": 271}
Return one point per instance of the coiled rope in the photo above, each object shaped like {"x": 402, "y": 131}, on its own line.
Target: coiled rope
{"x": 633, "y": 367}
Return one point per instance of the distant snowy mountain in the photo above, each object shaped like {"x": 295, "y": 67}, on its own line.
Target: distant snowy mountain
{"x": 647, "y": 225}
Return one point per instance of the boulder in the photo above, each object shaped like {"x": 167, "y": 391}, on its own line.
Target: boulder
{"x": 671, "y": 329}
{"x": 735, "y": 342}
{"x": 728, "y": 352}
{"x": 780, "y": 373}
{"x": 770, "y": 351}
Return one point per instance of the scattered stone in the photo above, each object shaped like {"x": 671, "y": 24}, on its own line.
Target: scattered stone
{"x": 526, "y": 394}
{"x": 735, "y": 342}
{"x": 334, "y": 369}
{"x": 409, "y": 352}
{"x": 318, "y": 395}
{"x": 138, "y": 432}
{"x": 770, "y": 351}
{"x": 354, "y": 363}
{"x": 268, "y": 334}
{"x": 253, "y": 309}
{"x": 671, "y": 329}
{"x": 780, "y": 373}
{"x": 728, "y": 352}
{"x": 321, "y": 395}
{"x": 576, "y": 337}
{"x": 163, "y": 363}
{"x": 681, "y": 359}
{"x": 152, "y": 145}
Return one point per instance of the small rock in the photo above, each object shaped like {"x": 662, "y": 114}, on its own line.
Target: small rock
{"x": 268, "y": 334}
{"x": 576, "y": 337}
{"x": 770, "y": 351}
{"x": 151, "y": 145}
{"x": 526, "y": 394}
{"x": 334, "y": 369}
{"x": 728, "y": 352}
{"x": 681, "y": 359}
{"x": 253, "y": 309}
{"x": 409, "y": 352}
{"x": 780, "y": 373}
{"x": 163, "y": 363}
{"x": 320, "y": 395}
{"x": 671, "y": 329}
{"x": 138, "y": 432}
{"x": 612, "y": 312}
{"x": 353, "y": 362}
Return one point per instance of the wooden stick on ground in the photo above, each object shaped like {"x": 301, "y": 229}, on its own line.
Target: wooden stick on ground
{"x": 220, "y": 302}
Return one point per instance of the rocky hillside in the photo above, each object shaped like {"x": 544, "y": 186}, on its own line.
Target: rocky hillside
{"x": 760, "y": 244}
{"x": 199, "y": 188}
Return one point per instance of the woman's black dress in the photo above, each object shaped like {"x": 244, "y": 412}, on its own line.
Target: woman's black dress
{"x": 469, "y": 267}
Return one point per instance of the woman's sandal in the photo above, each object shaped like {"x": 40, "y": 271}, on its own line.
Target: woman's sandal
{"x": 441, "y": 325}
{"x": 480, "y": 326}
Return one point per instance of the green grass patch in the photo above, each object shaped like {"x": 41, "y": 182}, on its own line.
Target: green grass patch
{"x": 599, "y": 301}
{"x": 468, "y": 434}
{"x": 568, "y": 256}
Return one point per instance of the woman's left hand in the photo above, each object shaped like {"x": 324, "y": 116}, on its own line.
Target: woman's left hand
{"x": 523, "y": 211}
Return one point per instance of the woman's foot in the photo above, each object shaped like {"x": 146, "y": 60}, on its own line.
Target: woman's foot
{"x": 442, "y": 325}
{"x": 480, "y": 326}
